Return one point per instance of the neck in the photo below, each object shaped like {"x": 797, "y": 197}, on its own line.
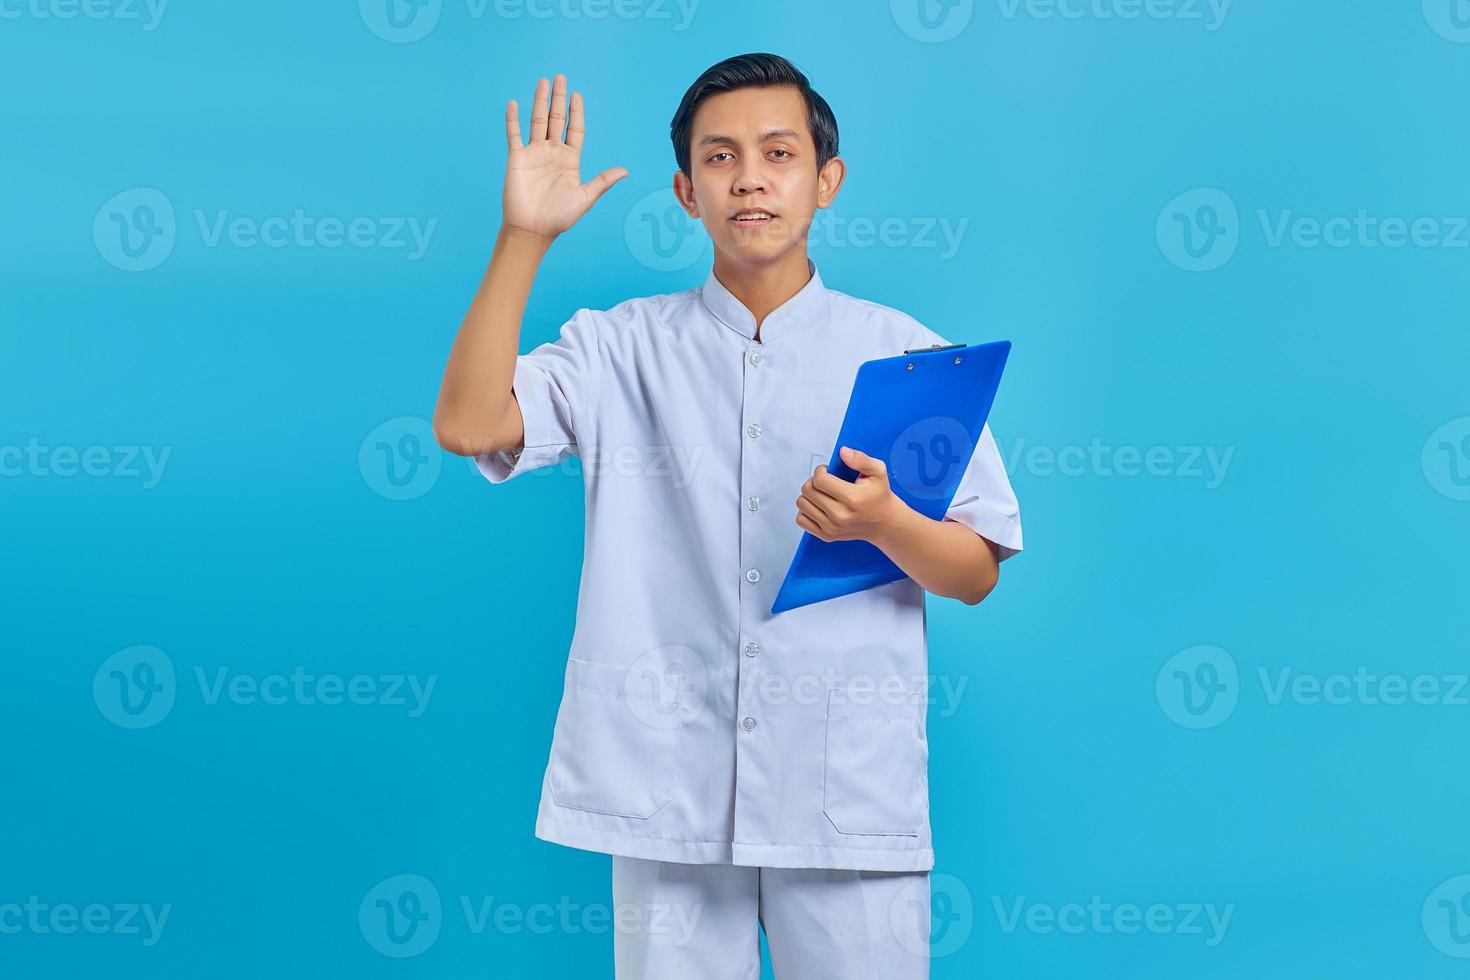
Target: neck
{"x": 763, "y": 288}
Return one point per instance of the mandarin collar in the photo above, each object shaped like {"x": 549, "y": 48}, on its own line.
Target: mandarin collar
{"x": 809, "y": 301}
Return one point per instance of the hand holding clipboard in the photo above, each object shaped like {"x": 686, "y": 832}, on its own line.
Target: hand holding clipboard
{"x": 922, "y": 413}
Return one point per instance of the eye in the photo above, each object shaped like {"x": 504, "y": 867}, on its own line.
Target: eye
{"x": 786, "y": 153}
{"x": 715, "y": 157}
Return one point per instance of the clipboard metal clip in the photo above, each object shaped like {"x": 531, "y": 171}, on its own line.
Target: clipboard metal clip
{"x": 925, "y": 350}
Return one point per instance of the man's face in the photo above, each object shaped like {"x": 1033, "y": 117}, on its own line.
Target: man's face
{"x": 752, "y": 153}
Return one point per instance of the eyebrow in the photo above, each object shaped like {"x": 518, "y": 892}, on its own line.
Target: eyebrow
{"x": 766, "y": 137}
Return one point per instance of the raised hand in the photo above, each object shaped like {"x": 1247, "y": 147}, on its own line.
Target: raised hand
{"x": 544, "y": 193}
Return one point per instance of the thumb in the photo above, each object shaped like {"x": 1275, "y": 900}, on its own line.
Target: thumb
{"x": 863, "y": 463}
{"x": 598, "y": 185}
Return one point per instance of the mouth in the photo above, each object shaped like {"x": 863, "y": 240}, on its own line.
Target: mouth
{"x": 752, "y": 218}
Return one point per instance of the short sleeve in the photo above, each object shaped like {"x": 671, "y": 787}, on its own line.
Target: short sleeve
{"x": 985, "y": 502}
{"x": 554, "y": 384}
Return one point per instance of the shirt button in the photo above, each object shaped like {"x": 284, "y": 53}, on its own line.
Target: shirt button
{"x": 753, "y": 430}
{"x": 752, "y": 648}
{"x": 753, "y": 575}
{"x": 755, "y": 357}
{"x": 752, "y": 503}
{"x": 748, "y": 724}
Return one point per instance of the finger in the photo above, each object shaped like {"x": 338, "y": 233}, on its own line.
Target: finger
{"x": 833, "y": 486}
{"x": 538, "y": 111}
{"x": 805, "y": 507}
{"x": 558, "y": 109}
{"x": 807, "y": 524}
{"x": 598, "y": 185}
{"x": 828, "y": 506}
{"x": 863, "y": 463}
{"x": 577, "y": 127}
{"x": 513, "y": 125}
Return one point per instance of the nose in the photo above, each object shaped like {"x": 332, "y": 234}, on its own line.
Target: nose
{"x": 751, "y": 178}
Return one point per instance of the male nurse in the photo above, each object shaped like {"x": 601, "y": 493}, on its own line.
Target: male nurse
{"x": 745, "y": 770}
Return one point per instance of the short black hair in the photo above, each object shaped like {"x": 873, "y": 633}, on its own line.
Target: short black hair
{"x": 753, "y": 71}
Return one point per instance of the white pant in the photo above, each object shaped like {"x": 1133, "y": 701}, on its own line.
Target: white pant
{"x": 702, "y": 921}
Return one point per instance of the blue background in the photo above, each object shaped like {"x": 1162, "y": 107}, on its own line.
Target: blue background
{"x": 1076, "y": 763}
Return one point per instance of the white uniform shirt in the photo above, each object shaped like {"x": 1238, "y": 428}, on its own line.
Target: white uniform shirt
{"x": 694, "y": 725}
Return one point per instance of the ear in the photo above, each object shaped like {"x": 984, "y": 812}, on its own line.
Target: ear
{"x": 829, "y": 181}
{"x": 684, "y": 191}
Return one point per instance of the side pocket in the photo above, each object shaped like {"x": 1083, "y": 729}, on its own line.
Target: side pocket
{"x": 872, "y": 780}
{"x": 611, "y": 752}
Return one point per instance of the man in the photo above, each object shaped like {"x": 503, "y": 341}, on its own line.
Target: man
{"x": 745, "y": 770}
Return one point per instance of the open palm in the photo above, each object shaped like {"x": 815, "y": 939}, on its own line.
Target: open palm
{"x": 544, "y": 193}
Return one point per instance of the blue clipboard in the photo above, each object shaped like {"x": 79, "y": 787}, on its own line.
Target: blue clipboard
{"x": 922, "y": 413}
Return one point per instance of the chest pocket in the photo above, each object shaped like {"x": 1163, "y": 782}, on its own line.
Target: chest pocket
{"x": 874, "y": 780}
{"x": 615, "y": 742}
